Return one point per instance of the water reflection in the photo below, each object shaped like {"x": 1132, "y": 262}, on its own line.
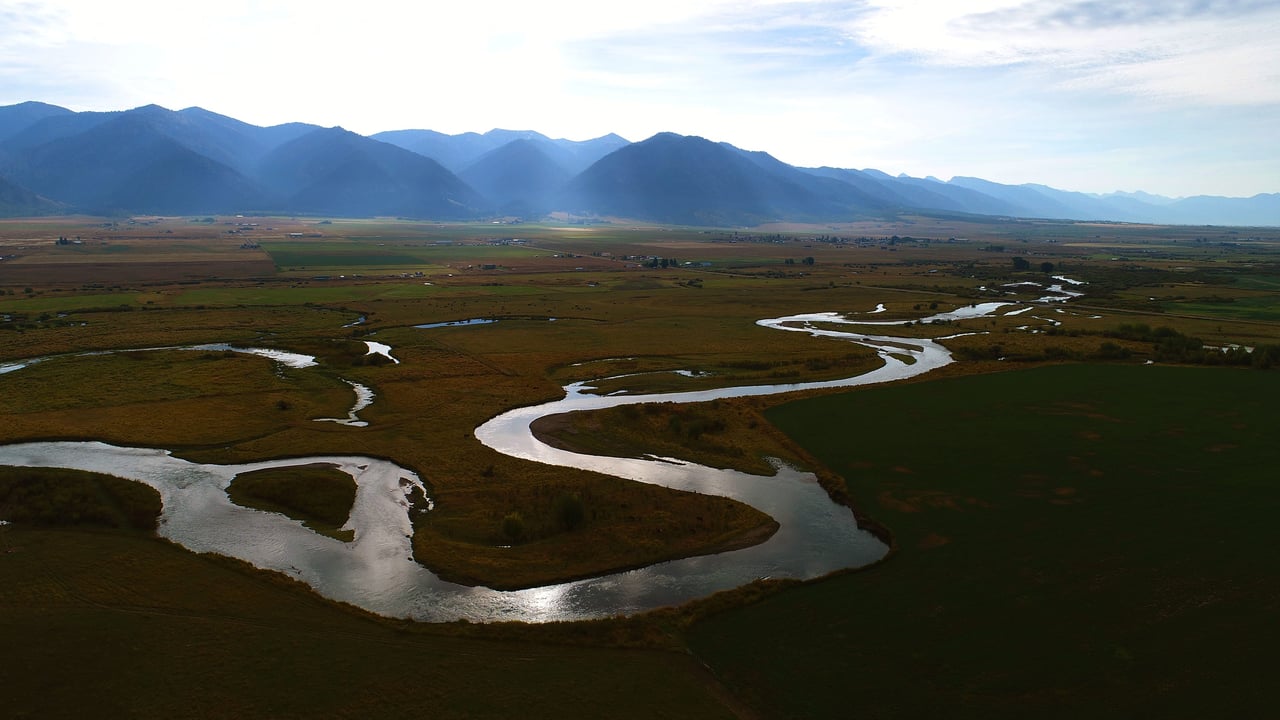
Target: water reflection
{"x": 457, "y": 323}
{"x": 288, "y": 359}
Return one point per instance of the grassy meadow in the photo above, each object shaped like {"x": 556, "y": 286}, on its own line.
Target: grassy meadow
{"x": 1068, "y": 541}
{"x": 150, "y": 630}
{"x": 1068, "y": 526}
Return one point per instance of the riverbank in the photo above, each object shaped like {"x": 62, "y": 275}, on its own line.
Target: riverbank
{"x": 472, "y": 565}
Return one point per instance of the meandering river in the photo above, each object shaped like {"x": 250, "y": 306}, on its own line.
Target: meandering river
{"x": 376, "y": 571}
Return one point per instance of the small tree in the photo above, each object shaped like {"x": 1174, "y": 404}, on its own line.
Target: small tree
{"x": 1111, "y": 351}
{"x": 570, "y": 511}
{"x": 513, "y": 526}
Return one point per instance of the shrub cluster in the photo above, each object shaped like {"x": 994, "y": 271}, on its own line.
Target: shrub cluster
{"x": 48, "y": 496}
{"x": 566, "y": 513}
{"x": 318, "y": 494}
{"x": 1168, "y": 346}
{"x": 1171, "y": 346}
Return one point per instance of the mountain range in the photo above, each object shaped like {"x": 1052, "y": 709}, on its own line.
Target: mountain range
{"x": 151, "y": 160}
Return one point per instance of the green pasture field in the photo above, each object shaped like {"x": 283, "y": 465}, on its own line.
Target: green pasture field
{"x": 1256, "y": 308}
{"x": 317, "y": 292}
{"x": 361, "y": 252}
{"x": 1249, "y": 281}
{"x": 59, "y": 301}
{"x": 1069, "y": 541}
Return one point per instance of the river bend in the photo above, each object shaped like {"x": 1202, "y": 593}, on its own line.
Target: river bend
{"x": 376, "y": 570}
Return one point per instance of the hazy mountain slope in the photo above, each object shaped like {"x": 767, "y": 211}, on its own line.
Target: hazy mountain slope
{"x": 277, "y": 135}
{"x": 578, "y": 155}
{"x": 518, "y": 178}
{"x": 219, "y": 138}
{"x": 842, "y": 196}
{"x": 690, "y": 180}
{"x": 16, "y": 118}
{"x": 1261, "y": 209}
{"x": 222, "y": 139}
{"x": 1135, "y": 209}
{"x": 1139, "y": 196}
{"x": 53, "y": 127}
{"x": 228, "y": 140}
{"x": 869, "y": 185}
{"x": 454, "y": 152}
{"x": 458, "y": 152}
{"x": 957, "y": 198}
{"x": 916, "y": 194}
{"x": 180, "y": 181}
{"x": 1091, "y": 207}
{"x": 1034, "y": 200}
{"x": 1029, "y": 201}
{"x": 17, "y": 201}
{"x": 339, "y": 172}
{"x": 123, "y": 163}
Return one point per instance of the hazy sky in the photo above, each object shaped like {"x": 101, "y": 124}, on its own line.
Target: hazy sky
{"x": 1177, "y": 97}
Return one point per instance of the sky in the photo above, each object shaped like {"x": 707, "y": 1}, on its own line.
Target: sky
{"x": 1174, "y": 97}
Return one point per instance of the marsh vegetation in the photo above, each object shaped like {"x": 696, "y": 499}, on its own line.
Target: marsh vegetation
{"x": 318, "y": 495}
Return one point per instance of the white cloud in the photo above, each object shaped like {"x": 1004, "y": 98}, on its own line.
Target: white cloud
{"x": 1220, "y": 52}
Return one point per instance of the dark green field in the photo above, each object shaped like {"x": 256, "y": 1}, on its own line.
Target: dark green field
{"x": 1258, "y": 308}
{"x": 367, "y": 251}
{"x": 1071, "y": 541}
{"x": 119, "y": 625}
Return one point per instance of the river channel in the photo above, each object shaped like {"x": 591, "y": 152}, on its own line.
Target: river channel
{"x": 376, "y": 570}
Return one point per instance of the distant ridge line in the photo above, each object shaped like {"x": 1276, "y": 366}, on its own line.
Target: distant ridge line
{"x": 153, "y": 160}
